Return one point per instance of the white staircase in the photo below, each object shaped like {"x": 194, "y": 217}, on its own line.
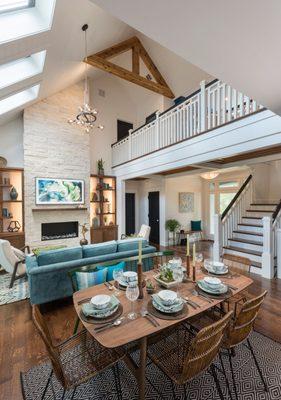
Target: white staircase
{"x": 250, "y": 229}
{"x": 247, "y": 239}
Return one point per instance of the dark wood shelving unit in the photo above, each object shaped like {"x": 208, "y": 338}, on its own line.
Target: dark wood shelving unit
{"x": 103, "y": 208}
{"x": 15, "y": 207}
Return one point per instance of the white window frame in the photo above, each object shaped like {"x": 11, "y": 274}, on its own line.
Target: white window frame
{"x": 31, "y": 3}
{"x": 217, "y": 190}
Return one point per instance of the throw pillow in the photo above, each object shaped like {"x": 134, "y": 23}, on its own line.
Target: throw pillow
{"x": 111, "y": 268}
{"x": 196, "y": 226}
{"x": 88, "y": 279}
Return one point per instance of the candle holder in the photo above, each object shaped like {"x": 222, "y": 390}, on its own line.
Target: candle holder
{"x": 140, "y": 275}
{"x": 188, "y": 266}
{"x": 193, "y": 272}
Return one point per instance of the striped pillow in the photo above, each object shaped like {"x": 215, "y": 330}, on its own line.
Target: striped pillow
{"x": 88, "y": 279}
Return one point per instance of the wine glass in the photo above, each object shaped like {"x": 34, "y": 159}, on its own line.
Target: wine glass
{"x": 199, "y": 257}
{"x": 178, "y": 277}
{"x": 132, "y": 293}
{"x": 177, "y": 260}
{"x": 117, "y": 275}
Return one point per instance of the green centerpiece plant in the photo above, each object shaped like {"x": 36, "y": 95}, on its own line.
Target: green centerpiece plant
{"x": 171, "y": 226}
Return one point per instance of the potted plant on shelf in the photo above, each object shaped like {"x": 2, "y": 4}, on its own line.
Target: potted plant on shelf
{"x": 171, "y": 226}
{"x": 100, "y": 167}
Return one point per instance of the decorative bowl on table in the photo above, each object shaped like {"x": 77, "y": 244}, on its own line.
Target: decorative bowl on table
{"x": 213, "y": 283}
{"x": 90, "y": 310}
{"x": 130, "y": 276}
{"x": 168, "y": 309}
{"x": 100, "y": 301}
{"x": 167, "y": 297}
{"x": 215, "y": 289}
{"x": 216, "y": 267}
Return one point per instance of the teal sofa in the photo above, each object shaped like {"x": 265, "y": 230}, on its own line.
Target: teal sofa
{"x": 48, "y": 272}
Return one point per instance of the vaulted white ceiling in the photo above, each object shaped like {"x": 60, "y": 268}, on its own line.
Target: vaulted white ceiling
{"x": 62, "y": 38}
{"x": 235, "y": 41}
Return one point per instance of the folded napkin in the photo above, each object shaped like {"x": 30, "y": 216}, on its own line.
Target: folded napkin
{"x": 89, "y": 309}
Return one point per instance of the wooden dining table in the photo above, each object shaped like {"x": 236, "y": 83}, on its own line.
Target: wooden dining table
{"x": 141, "y": 328}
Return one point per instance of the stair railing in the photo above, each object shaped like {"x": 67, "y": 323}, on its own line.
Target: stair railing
{"x": 276, "y": 226}
{"x": 234, "y": 212}
{"x": 231, "y": 217}
{"x": 209, "y": 107}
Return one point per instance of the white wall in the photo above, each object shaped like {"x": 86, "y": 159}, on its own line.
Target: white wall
{"x": 11, "y": 142}
{"x": 123, "y": 100}
{"x": 175, "y": 185}
{"x": 267, "y": 181}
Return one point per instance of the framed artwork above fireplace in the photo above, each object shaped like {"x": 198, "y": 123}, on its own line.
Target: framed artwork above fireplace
{"x": 59, "y": 191}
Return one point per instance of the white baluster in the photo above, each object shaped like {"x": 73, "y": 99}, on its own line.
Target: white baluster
{"x": 267, "y": 254}
{"x": 202, "y": 109}
{"x": 217, "y": 249}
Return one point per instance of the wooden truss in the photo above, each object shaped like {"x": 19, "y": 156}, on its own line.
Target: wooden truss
{"x": 100, "y": 60}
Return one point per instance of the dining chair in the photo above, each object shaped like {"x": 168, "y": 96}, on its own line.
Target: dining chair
{"x": 77, "y": 359}
{"x": 182, "y": 354}
{"x": 239, "y": 263}
{"x": 239, "y": 331}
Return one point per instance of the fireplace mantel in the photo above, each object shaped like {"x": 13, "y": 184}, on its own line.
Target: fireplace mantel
{"x": 59, "y": 209}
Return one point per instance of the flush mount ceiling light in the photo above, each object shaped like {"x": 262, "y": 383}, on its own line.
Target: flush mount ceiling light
{"x": 87, "y": 116}
{"x": 210, "y": 175}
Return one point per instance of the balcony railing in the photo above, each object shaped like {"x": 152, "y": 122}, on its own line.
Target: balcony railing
{"x": 211, "y": 106}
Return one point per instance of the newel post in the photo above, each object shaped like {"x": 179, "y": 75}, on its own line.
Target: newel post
{"x": 278, "y": 253}
{"x": 157, "y": 127}
{"x": 217, "y": 249}
{"x": 130, "y": 143}
{"x": 202, "y": 106}
{"x": 267, "y": 253}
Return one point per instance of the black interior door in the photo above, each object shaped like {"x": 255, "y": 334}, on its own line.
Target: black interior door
{"x": 130, "y": 214}
{"x": 153, "y": 216}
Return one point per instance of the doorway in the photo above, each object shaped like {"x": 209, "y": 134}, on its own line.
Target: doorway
{"x": 130, "y": 214}
{"x": 153, "y": 216}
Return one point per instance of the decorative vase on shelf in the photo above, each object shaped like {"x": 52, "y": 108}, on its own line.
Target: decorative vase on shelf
{"x": 13, "y": 193}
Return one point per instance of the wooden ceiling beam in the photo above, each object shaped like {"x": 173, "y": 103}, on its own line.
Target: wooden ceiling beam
{"x": 136, "y": 59}
{"x": 150, "y": 65}
{"x": 123, "y": 73}
{"x": 119, "y": 48}
{"x": 100, "y": 60}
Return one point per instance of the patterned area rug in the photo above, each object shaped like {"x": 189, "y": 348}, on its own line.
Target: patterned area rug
{"x": 18, "y": 292}
{"x": 249, "y": 384}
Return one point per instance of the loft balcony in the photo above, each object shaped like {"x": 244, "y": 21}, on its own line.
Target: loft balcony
{"x": 212, "y": 106}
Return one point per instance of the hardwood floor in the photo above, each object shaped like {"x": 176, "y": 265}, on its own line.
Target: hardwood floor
{"x": 21, "y": 347}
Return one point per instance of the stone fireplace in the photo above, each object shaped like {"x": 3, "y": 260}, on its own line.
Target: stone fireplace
{"x": 59, "y": 230}
{"x": 55, "y": 149}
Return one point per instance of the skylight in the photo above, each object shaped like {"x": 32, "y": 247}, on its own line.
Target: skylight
{"x": 21, "y": 69}
{"x": 18, "y": 99}
{"x": 13, "y": 5}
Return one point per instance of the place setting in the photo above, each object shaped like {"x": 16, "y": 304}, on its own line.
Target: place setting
{"x": 212, "y": 287}
{"x": 101, "y": 309}
{"x": 217, "y": 268}
{"x": 166, "y": 304}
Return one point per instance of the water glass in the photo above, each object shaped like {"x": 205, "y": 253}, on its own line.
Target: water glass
{"x": 117, "y": 275}
{"x": 132, "y": 294}
{"x": 178, "y": 277}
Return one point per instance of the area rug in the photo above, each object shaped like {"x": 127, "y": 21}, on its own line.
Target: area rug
{"x": 101, "y": 387}
{"x": 18, "y": 292}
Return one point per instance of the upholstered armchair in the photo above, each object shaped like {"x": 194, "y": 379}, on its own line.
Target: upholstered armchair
{"x": 12, "y": 260}
{"x": 143, "y": 233}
